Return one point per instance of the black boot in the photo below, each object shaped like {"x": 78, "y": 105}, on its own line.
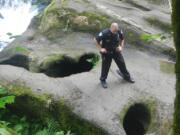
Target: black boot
{"x": 129, "y": 79}
{"x": 104, "y": 84}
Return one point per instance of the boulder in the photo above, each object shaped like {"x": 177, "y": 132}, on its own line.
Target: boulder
{"x": 61, "y": 30}
{"x": 65, "y": 16}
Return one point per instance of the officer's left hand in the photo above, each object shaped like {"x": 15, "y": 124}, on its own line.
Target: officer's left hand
{"x": 119, "y": 49}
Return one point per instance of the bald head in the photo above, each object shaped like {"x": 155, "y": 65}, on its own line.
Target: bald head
{"x": 114, "y": 27}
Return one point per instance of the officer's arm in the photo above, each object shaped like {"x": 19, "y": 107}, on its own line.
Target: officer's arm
{"x": 97, "y": 44}
{"x": 98, "y": 40}
{"x": 122, "y": 43}
{"x": 122, "y": 39}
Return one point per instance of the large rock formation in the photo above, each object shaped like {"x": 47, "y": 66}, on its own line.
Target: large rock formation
{"x": 62, "y": 24}
{"x": 59, "y": 43}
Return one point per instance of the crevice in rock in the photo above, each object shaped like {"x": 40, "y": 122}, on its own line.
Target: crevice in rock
{"x": 141, "y": 7}
{"x": 137, "y": 120}
{"x": 66, "y": 66}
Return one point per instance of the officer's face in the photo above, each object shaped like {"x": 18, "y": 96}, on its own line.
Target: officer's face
{"x": 114, "y": 30}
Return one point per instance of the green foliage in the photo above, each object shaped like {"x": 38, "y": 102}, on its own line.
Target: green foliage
{"x": 21, "y": 124}
{"x": 24, "y": 126}
{"x": 21, "y": 49}
{"x": 33, "y": 114}
{"x": 3, "y": 131}
{"x": 5, "y": 99}
{"x": 6, "y": 131}
{"x": 94, "y": 59}
{"x": 151, "y": 37}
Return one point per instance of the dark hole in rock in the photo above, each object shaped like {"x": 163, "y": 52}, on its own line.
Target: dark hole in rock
{"x": 18, "y": 60}
{"x": 137, "y": 120}
{"x": 65, "y": 66}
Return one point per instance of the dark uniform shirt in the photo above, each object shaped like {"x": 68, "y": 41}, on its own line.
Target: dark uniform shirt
{"x": 108, "y": 40}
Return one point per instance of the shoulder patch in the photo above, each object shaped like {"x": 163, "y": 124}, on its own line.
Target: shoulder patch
{"x": 100, "y": 34}
{"x": 121, "y": 32}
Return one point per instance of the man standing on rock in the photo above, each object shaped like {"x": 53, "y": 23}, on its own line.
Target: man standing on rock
{"x": 111, "y": 43}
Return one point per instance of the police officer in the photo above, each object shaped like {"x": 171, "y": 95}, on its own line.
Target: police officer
{"x": 111, "y": 43}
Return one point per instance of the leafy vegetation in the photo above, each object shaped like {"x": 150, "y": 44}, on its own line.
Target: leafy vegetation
{"x": 151, "y": 37}
{"x": 13, "y": 124}
{"x": 21, "y": 49}
{"x": 5, "y": 99}
{"x": 34, "y": 114}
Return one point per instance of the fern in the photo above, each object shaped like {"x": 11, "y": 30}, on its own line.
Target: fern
{"x": 5, "y": 99}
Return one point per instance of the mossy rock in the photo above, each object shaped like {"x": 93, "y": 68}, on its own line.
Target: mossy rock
{"x": 95, "y": 22}
{"x": 151, "y": 106}
{"x": 62, "y": 18}
{"x": 45, "y": 108}
{"x": 16, "y": 55}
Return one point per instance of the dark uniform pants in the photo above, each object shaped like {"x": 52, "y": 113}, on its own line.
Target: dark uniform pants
{"x": 106, "y": 63}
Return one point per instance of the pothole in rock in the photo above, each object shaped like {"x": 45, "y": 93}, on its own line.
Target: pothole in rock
{"x": 61, "y": 66}
{"x": 137, "y": 120}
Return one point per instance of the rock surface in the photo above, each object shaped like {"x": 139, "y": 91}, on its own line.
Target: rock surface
{"x": 105, "y": 106}
{"x": 57, "y": 37}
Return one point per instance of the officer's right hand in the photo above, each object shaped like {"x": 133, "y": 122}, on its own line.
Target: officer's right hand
{"x": 103, "y": 50}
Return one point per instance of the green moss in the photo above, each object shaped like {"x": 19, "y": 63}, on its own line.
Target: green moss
{"x": 56, "y": 19}
{"x": 74, "y": 123}
{"x": 50, "y": 60}
{"x": 94, "y": 60}
{"x": 48, "y": 109}
{"x": 96, "y": 22}
{"x": 17, "y": 49}
{"x": 16, "y": 56}
{"x": 21, "y": 49}
{"x": 150, "y": 37}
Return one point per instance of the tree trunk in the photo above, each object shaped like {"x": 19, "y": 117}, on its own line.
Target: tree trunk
{"x": 176, "y": 29}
